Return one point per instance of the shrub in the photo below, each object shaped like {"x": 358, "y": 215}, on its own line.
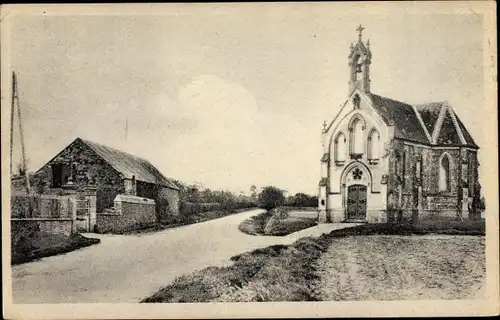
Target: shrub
{"x": 302, "y": 200}
{"x": 271, "y": 197}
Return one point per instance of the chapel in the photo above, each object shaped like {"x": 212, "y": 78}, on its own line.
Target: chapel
{"x": 386, "y": 160}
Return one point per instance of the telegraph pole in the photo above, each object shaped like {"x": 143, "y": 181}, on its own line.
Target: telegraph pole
{"x": 16, "y": 97}
{"x": 12, "y": 118}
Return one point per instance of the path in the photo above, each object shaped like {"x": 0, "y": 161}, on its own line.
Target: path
{"x": 127, "y": 268}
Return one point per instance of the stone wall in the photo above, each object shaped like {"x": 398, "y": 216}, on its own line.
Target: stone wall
{"x": 422, "y": 191}
{"x": 62, "y": 226}
{"x": 403, "y": 171}
{"x": 128, "y": 213}
{"x": 41, "y": 206}
{"x": 171, "y": 196}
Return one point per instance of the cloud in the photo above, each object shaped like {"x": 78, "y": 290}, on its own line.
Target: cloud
{"x": 225, "y": 141}
{"x": 234, "y": 144}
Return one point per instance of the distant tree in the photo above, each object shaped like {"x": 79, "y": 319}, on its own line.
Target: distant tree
{"x": 302, "y": 200}
{"x": 253, "y": 192}
{"x": 271, "y": 197}
{"x": 206, "y": 195}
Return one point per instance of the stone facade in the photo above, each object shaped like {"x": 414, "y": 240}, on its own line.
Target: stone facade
{"x": 81, "y": 167}
{"x": 384, "y": 159}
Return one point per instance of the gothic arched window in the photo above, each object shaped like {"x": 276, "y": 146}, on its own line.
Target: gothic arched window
{"x": 445, "y": 173}
{"x": 471, "y": 171}
{"x": 404, "y": 167}
{"x": 373, "y": 145}
{"x": 418, "y": 168}
{"x": 357, "y": 139}
{"x": 339, "y": 148}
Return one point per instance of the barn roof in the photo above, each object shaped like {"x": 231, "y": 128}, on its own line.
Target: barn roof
{"x": 130, "y": 165}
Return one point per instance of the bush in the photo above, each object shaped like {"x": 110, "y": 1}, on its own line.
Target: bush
{"x": 254, "y": 225}
{"x": 302, "y": 200}
{"x": 271, "y": 197}
{"x": 276, "y": 222}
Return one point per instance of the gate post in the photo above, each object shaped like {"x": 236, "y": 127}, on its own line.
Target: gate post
{"x": 73, "y": 200}
{"x": 91, "y": 198}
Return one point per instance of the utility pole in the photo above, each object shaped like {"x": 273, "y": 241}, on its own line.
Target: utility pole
{"x": 12, "y": 119}
{"x": 16, "y": 97}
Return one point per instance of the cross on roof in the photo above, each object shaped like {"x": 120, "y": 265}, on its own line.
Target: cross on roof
{"x": 360, "y": 30}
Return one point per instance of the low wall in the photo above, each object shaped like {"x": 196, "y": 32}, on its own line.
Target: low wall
{"x": 45, "y": 225}
{"x": 129, "y": 212}
{"x": 42, "y": 206}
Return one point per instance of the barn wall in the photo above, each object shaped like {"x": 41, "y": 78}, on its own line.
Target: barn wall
{"x": 170, "y": 197}
{"x": 167, "y": 200}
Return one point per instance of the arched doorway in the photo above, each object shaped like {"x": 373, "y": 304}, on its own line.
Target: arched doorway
{"x": 356, "y": 184}
{"x": 356, "y": 202}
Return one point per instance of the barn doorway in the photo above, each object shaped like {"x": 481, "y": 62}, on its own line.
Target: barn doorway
{"x": 356, "y": 203}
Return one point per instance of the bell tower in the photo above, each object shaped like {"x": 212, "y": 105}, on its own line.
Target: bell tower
{"x": 359, "y": 64}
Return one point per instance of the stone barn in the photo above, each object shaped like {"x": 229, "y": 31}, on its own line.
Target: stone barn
{"x": 382, "y": 156}
{"x": 110, "y": 172}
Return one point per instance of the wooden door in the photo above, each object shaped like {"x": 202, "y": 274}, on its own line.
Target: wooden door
{"x": 356, "y": 202}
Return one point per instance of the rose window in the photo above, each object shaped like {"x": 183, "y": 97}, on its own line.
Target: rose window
{"x": 357, "y": 174}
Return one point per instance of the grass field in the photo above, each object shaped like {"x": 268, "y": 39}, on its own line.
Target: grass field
{"x": 360, "y": 263}
{"x": 401, "y": 268}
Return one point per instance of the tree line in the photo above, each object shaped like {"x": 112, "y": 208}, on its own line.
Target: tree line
{"x": 196, "y": 198}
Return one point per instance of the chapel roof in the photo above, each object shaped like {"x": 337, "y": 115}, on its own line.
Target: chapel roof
{"x": 418, "y": 123}
{"x": 402, "y": 116}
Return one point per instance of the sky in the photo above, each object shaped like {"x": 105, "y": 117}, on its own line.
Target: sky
{"x": 230, "y": 98}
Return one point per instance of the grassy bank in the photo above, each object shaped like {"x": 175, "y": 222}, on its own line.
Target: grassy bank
{"x": 184, "y": 219}
{"x": 302, "y": 272}
{"x": 45, "y": 245}
{"x": 276, "y": 222}
{"x": 259, "y": 275}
